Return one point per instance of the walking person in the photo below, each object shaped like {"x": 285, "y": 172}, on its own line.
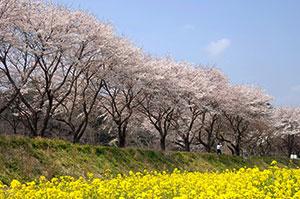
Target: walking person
{"x": 219, "y": 148}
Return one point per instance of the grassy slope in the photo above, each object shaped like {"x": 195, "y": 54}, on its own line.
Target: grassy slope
{"x": 25, "y": 159}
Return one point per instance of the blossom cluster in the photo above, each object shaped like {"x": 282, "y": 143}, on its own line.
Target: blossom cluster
{"x": 273, "y": 182}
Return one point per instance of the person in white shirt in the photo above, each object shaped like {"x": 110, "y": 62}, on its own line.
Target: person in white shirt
{"x": 219, "y": 148}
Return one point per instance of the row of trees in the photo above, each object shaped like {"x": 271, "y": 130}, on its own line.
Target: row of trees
{"x": 65, "y": 74}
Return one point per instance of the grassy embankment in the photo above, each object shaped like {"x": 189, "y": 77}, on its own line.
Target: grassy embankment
{"x": 26, "y": 159}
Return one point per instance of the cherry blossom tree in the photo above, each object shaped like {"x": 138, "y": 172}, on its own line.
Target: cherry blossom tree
{"x": 242, "y": 107}
{"x": 101, "y": 52}
{"x": 211, "y": 118}
{"x": 123, "y": 87}
{"x": 199, "y": 99}
{"x": 161, "y": 96}
{"x": 45, "y": 51}
{"x": 287, "y": 123}
{"x": 9, "y": 15}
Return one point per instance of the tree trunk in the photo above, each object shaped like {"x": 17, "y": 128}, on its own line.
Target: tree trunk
{"x": 47, "y": 115}
{"x": 80, "y": 130}
{"x": 187, "y": 147}
{"x": 208, "y": 148}
{"x": 163, "y": 143}
{"x": 187, "y": 144}
{"x": 15, "y": 129}
{"x": 122, "y": 140}
{"x": 290, "y": 144}
{"x": 34, "y": 125}
{"x": 75, "y": 139}
{"x": 122, "y": 128}
{"x": 232, "y": 150}
{"x": 122, "y": 137}
{"x": 238, "y": 143}
{"x": 237, "y": 151}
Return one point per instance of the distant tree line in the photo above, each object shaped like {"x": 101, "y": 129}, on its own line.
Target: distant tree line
{"x": 65, "y": 74}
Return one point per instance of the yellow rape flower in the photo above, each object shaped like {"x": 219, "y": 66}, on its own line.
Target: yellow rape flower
{"x": 243, "y": 183}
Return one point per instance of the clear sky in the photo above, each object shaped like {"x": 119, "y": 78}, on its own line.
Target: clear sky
{"x": 254, "y": 42}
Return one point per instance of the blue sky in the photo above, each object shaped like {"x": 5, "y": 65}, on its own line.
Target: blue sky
{"x": 254, "y": 42}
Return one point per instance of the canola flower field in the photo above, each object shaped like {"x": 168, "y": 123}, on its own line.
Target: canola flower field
{"x": 273, "y": 182}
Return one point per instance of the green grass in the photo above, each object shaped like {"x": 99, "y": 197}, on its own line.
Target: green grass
{"x": 26, "y": 159}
